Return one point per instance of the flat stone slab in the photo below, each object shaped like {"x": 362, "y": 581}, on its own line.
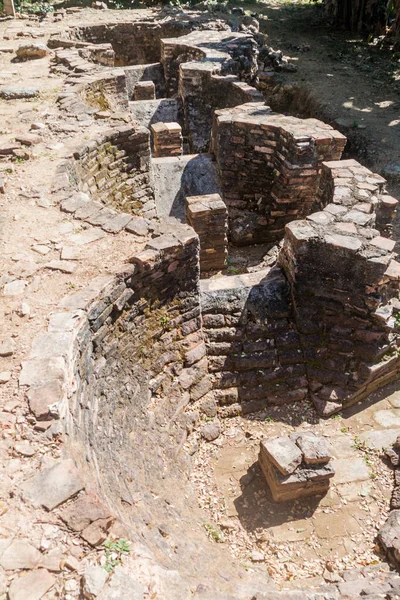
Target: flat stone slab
{"x": 14, "y": 93}
{"x": 388, "y": 418}
{"x": 283, "y": 453}
{"x": 315, "y": 450}
{"x": 31, "y": 586}
{"x": 20, "y": 555}
{"x": 53, "y": 486}
{"x": 348, "y": 470}
{"x": 379, "y": 439}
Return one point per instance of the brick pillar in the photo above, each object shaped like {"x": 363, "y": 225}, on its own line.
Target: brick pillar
{"x": 144, "y": 90}
{"x": 167, "y": 139}
{"x": 9, "y": 8}
{"x": 209, "y": 218}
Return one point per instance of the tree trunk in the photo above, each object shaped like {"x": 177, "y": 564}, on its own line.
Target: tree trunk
{"x": 364, "y": 16}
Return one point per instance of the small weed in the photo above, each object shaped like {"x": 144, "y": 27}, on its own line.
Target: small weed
{"x": 344, "y": 430}
{"x": 71, "y": 285}
{"x": 337, "y": 416}
{"x": 114, "y": 550}
{"x": 269, "y": 420}
{"x": 19, "y": 159}
{"x": 164, "y": 322}
{"x": 397, "y": 319}
{"x": 214, "y": 533}
{"x": 233, "y": 270}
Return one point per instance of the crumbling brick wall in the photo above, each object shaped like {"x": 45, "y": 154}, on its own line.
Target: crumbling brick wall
{"x": 269, "y": 167}
{"x": 345, "y": 285}
{"x": 114, "y": 169}
{"x": 253, "y": 349}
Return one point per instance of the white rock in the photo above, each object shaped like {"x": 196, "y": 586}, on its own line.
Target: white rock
{"x": 15, "y": 288}
{"x": 5, "y": 376}
{"x": 94, "y": 580}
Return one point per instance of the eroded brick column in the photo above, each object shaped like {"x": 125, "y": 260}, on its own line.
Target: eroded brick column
{"x": 144, "y": 90}
{"x": 167, "y": 138}
{"x": 209, "y": 218}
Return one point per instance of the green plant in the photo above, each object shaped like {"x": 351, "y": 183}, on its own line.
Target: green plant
{"x": 344, "y": 429}
{"x": 114, "y": 550}
{"x": 337, "y": 416}
{"x": 214, "y": 533}
{"x": 269, "y": 420}
{"x": 164, "y": 320}
{"x": 397, "y": 319}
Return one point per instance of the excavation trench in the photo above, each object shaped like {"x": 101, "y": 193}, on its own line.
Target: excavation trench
{"x": 156, "y": 356}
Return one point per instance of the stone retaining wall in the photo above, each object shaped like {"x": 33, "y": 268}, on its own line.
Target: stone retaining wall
{"x": 114, "y": 169}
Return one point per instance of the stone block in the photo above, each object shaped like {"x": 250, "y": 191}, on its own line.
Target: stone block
{"x": 295, "y": 466}
{"x": 283, "y": 453}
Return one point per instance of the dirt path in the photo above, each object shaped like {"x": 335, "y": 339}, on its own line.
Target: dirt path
{"x": 356, "y": 85}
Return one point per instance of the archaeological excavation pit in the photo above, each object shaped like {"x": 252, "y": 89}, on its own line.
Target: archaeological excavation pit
{"x": 169, "y": 373}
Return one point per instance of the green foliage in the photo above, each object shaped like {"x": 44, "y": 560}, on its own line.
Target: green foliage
{"x": 114, "y": 550}
{"x": 397, "y": 319}
{"x": 214, "y": 533}
{"x": 34, "y": 8}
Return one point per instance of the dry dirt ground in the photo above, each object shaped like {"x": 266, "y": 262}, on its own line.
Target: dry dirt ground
{"x": 347, "y": 80}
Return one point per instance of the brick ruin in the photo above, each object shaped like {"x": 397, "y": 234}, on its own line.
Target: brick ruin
{"x": 160, "y": 338}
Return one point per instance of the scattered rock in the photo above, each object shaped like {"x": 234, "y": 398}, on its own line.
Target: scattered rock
{"x": 24, "y": 448}
{"x": 20, "y": 153}
{"x": 83, "y": 511}
{"x": 15, "y": 93}
{"x": 24, "y": 310}
{"x": 20, "y": 555}
{"x": 53, "y": 486}
{"x": 15, "y": 288}
{"x": 5, "y": 376}
{"x": 257, "y": 556}
{"x": 97, "y": 532}
{"x": 210, "y": 431}
{"x": 29, "y": 139}
{"x": 37, "y": 126}
{"x": 43, "y": 397}
{"x": 31, "y": 51}
{"x": 8, "y": 149}
{"x": 40, "y": 249}
{"x": 7, "y": 347}
{"x": 31, "y": 586}
{"x": 124, "y": 585}
{"x": 52, "y": 560}
{"x": 94, "y": 579}
{"x": 61, "y": 265}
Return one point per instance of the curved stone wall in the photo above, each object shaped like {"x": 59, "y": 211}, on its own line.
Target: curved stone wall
{"x": 135, "y": 42}
{"x": 114, "y": 169}
{"x": 345, "y": 286}
{"x": 133, "y": 362}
